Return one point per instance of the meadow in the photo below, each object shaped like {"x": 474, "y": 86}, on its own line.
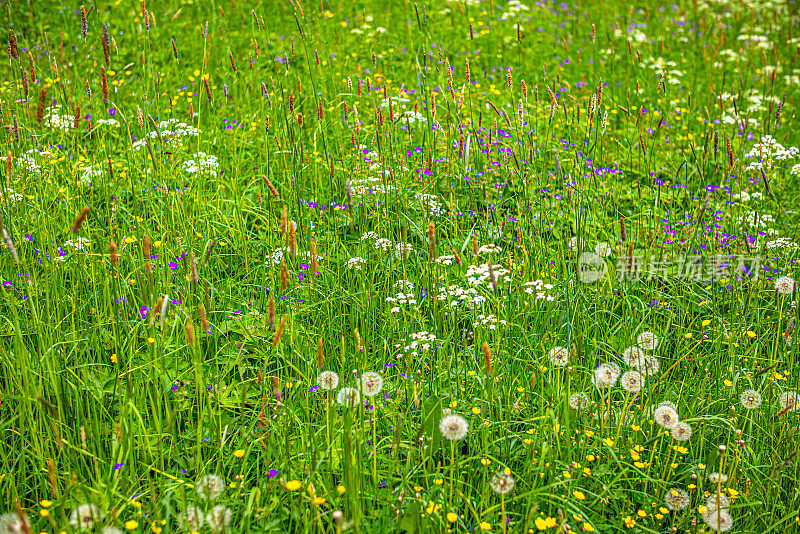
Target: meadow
{"x": 393, "y": 266}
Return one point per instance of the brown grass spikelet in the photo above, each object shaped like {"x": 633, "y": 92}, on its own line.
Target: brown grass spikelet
{"x": 456, "y": 257}
{"x": 487, "y": 358}
{"x": 174, "y": 49}
{"x": 284, "y": 275}
{"x": 271, "y": 312}
{"x": 320, "y": 353}
{"x": 52, "y": 478}
{"x": 112, "y": 254}
{"x": 146, "y": 250}
{"x": 40, "y": 105}
{"x": 474, "y": 245}
{"x": 104, "y": 84}
{"x": 314, "y": 262}
{"x": 431, "y": 240}
{"x": 279, "y": 332}
{"x": 8, "y": 164}
{"x": 76, "y": 118}
{"x": 270, "y": 186}
{"x": 13, "y": 51}
{"x": 190, "y": 338}
{"x": 203, "y": 318}
{"x": 293, "y": 239}
{"x": 209, "y": 96}
{"x": 79, "y": 219}
{"x": 284, "y": 219}
{"x": 84, "y": 23}
{"x": 729, "y": 148}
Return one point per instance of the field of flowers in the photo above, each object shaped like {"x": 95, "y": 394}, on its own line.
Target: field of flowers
{"x": 392, "y": 266}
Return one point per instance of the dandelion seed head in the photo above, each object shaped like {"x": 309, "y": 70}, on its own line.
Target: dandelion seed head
{"x": 647, "y": 340}
{"x": 632, "y": 381}
{"x": 666, "y": 416}
{"x": 371, "y": 383}
{"x": 328, "y": 380}
{"x": 454, "y": 427}
{"x": 677, "y": 499}
{"x": 348, "y": 397}
{"x": 559, "y": 356}
{"x": 210, "y": 486}
{"x": 681, "y": 431}
{"x": 750, "y": 399}
{"x": 85, "y": 516}
{"x": 502, "y": 483}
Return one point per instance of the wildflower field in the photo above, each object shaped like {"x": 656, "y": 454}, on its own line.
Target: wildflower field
{"x": 384, "y": 266}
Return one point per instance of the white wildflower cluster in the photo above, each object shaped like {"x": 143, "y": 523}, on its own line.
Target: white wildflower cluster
{"x": 356, "y": 263}
{"x": 490, "y": 321}
{"x": 202, "y": 164}
{"x": 366, "y": 28}
{"x": 369, "y": 235}
{"x": 744, "y": 196}
{"x": 767, "y": 152}
{"x": 79, "y": 243}
{"x": 411, "y": 117}
{"x": 781, "y": 243}
{"x": 402, "y": 299}
{"x": 369, "y": 186}
{"x": 404, "y": 285}
{"x": 90, "y": 173}
{"x": 795, "y": 170}
{"x": 459, "y": 296}
{"x": 489, "y": 249}
{"x": 11, "y": 195}
{"x": 383, "y": 244}
{"x": 402, "y": 250}
{"x": 513, "y": 10}
{"x": 539, "y": 288}
{"x": 447, "y": 259}
{"x": 757, "y": 41}
{"x": 55, "y": 120}
{"x": 417, "y": 343}
{"x": 479, "y": 275}
{"x": 173, "y": 132}
{"x": 281, "y": 253}
{"x": 106, "y": 122}
{"x": 33, "y": 160}
{"x": 430, "y": 203}
{"x": 631, "y": 34}
{"x": 664, "y": 67}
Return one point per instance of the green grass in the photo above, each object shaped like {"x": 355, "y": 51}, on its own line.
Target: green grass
{"x": 168, "y": 333}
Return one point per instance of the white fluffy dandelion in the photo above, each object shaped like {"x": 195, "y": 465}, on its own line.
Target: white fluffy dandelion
{"x": 633, "y": 356}
{"x": 502, "y": 483}
{"x": 210, "y": 486}
{"x": 606, "y": 375}
{"x": 717, "y": 502}
{"x": 328, "y": 380}
{"x": 784, "y": 285}
{"x": 632, "y": 381}
{"x": 371, "y": 383}
{"x": 219, "y": 518}
{"x": 719, "y": 521}
{"x": 454, "y": 427}
{"x": 666, "y": 417}
{"x": 750, "y": 399}
{"x": 559, "y": 356}
{"x": 85, "y": 516}
{"x": 681, "y": 431}
{"x": 348, "y": 397}
{"x": 192, "y": 518}
{"x": 677, "y": 499}
{"x": 647, "y": 340}
{"x": 578, "y": 401}
{"x": 11, "y": 524}
{"x": 649, "y": 365}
